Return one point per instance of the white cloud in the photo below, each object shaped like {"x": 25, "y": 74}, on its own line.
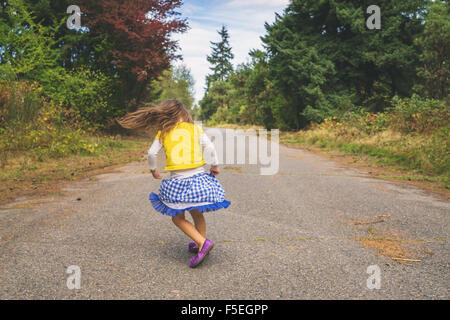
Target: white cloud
{"x": 245, "y": 22}
{"x": 195, "y": 46}
{"x": 258, "y": 3}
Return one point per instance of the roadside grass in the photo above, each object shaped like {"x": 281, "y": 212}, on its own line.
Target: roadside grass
{"x": 234, "y": 126}
{"x": 25, "y": 174}
{"x": 422, "y": 157}
{"x": 408, "y": 141}
{"x": 43, "y": 143}
{"x": 413, "y": 157}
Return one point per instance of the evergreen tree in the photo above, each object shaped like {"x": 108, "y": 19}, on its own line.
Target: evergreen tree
{"x": 434, "y": 44}
{"x": 220, "y": 58}
{"x": 216, "y": 95}
{"x": 216, "y": 98}
{"x": 27, "y": 49}
{"x": 175, "y": 83}
{"x": 323, "y": 57}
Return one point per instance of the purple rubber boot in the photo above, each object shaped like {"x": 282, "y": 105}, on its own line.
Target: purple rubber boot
{"x": 195, "y": 261}
{"x": 193, "y": 247}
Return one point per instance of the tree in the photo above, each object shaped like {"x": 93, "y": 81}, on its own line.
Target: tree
{"x": 74, "y": 47}
{"x": 217, "y": 97}
{"x": 434, "y": 44}
{"x": 216, "y": 94}
{"x": 175, "y": 83}
{"x": 26, "y": 48}
{"x": 127, "y": 40}
{"x": 323, "y": 58}
{"x": 220, "y": 58}
{"x": 136, "y": 36}
{"x": 257, "y": 90}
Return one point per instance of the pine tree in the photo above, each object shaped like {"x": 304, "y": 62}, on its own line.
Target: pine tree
{"x": 434, "y": 44}
{"x": 324, "y": 58}
{"x": 220, "y": 58}
{"x": 175, "y": 83}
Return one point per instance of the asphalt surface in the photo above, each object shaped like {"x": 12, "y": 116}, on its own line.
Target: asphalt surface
{"x": 291, "y": 235}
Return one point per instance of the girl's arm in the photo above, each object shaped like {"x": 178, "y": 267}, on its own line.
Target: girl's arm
{"x": 152, "y": 157}
{"x": 210, "y": 152}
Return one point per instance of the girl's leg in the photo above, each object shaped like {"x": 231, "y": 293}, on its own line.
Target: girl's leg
{"x": 199, "y": 222}
{"x": 187, "y": 227}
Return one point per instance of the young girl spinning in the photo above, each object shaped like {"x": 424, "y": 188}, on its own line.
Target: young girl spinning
{"x": 189, "y": 188}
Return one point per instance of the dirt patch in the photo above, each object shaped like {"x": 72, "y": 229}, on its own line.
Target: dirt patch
{"x": 294, "y": 156}
{"x": 390, "y": 248}
{"x": 51, "y": 175}
{"x": 26, "y": 205}
{"x": 399, "y": 249}
{"x": 378, "y": 234}
{"x": 378, "y": 219}
{"x": 235, "y": 169}
{"x": 403, "y": 251}
{"x": 25, "y": 187}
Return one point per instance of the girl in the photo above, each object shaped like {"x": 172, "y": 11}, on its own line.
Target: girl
{"x": 189, "y": 188}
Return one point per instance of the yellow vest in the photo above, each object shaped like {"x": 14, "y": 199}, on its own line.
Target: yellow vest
{"x": 182, "y": 147}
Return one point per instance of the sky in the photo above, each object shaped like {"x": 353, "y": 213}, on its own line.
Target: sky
{"x": 244, "y": 20}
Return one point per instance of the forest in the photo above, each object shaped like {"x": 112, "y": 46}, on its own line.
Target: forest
{"x": 323, "y": 78}
{"x": 62, "y": 88}
{"x": 327, "y": 80}
{"x": 320, "y": 60}
{"x": 331, "y": 122}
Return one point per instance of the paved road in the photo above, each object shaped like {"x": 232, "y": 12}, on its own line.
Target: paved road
{"x": 286, "y": 236}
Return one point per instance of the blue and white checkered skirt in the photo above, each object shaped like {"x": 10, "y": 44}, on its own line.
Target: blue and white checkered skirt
{"x": 202, "y": 192}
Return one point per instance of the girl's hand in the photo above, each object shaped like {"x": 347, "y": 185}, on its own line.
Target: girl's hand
{"x": 156, "y": 174}
{"x": 215, "y": 170}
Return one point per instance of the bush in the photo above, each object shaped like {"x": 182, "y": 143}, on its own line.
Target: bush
{"x": 407, "y": 115}
{"x": 413, "y": 135}
{"x": 86, "y": 96}
{"x": 19, "y": 102}
{"x": 438, "y": 151}
{"x": 419, "y": 115}
{"x": 226, "y": 115}
{"x": 29, "y": 123}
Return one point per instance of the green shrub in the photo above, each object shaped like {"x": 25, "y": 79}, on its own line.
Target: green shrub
{"x": 225, "y": 115}
{"x": 86, "y": 96}
{"x": 438, "y": 151}
{"x": 20, "y": 102}
{"x": 417, "y": 114}
{"x": 32, "y": 124}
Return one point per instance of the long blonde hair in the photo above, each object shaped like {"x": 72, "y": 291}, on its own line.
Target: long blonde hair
{"x": 162, "y": 117}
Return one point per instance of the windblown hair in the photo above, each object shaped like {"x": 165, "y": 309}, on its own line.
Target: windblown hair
{"x": 162, "y": 117}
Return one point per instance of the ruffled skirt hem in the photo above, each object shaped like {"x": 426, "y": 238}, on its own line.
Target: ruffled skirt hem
{"x": 161, "y": 207}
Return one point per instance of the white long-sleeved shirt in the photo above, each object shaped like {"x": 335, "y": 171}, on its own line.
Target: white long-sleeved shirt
{"x": 209, "y": 153}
